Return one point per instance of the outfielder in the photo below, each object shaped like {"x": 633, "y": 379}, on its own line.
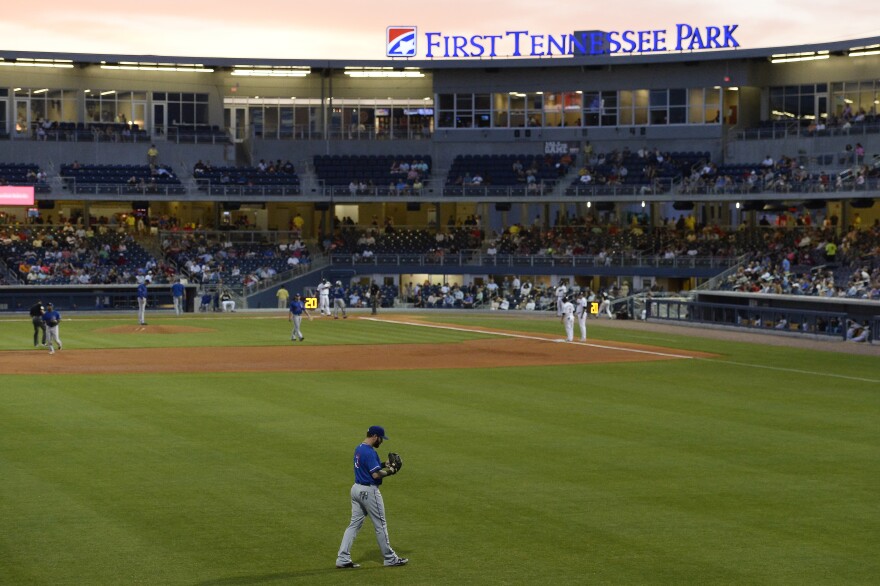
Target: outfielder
{"x": 568, "y": 319}
{"x": 52, "y": 318}
{"x": 339, "y": 300}
{"x": 297, "y": 309}
{"x": 142, "y": 303}
{"x": 366, "y": 500}
{"x": 324, "y": 297}
{"x": 581, "y": 313}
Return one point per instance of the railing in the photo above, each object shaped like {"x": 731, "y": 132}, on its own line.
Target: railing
{"x": 477, "y": 258}
{"x": 123, "y": 189}
{"x": 788, "y": 130}
{"x": 221, "y": 189}
{"x": 800, "y": 321}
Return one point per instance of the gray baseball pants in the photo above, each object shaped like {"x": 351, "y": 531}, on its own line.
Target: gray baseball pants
{"x": 366, "y": 501}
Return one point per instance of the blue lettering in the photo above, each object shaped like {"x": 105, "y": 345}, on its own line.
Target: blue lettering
{"x": 697, "y": 39}
{"x": 630, "y": 43}
{"x": 579, "y": 46}
{"x": 613, "y": 43}
{"x": 459, "y": 42}
{"x": 682, "y": 32}
{"x": 479, "y": 49}
{"x": 537, "y": 45}
{"x": 492, "y": 39}
{"x": 644, "y": 41}
{"x": 598, "y": 43}
{"x": 729, "y": 41}
{"x": 660, "y": 40}
{"x": 559, "y": 43}
{"x": 712, "y": 33}
{"x": 431, "y": 43}
{"x": 516, "y": 37}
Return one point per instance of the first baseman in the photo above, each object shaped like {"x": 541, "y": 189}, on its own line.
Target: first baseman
{"x": 366, "y": 500}
{"x": 339, "y": 301}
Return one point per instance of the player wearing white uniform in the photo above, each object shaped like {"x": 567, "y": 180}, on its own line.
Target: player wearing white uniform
{"x": 581, "y": 313}
{"x": 324, "y": 297}
{"x": 568, "y": 319}
{"x": 561, "y": 290}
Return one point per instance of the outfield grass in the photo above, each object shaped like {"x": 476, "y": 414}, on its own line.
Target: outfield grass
{"x": 758, "y": 467}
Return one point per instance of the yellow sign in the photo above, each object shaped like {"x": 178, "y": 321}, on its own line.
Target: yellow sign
{"x": 311, "y": 303}
{"x": 594, "y": 308}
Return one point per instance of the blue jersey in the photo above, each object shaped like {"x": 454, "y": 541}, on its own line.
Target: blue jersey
{"x": 177, "y": 290}
{"x": 51, "y": 316}
{"x": 297, "y": 307}
{"x": 366, "y": 461}
{"x": 142, "y": 290}
{"x": 338, "y": 293}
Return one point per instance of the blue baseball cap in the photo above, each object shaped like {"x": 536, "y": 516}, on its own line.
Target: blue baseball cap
{"x": 377, "y": 430}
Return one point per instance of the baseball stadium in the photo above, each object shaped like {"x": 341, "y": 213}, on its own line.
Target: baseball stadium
{"x": 603, "y": 296}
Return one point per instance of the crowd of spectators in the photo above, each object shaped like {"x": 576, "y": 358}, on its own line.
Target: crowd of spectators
{"x": 72, "y": 254}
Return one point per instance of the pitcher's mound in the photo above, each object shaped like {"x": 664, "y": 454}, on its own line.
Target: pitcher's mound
{"x": 135, "y": 329}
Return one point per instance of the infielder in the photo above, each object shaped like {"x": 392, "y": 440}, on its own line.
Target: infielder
{"x": 52, "y": 318}
{"x": 561, "y": 291}
{"x": 142, "y": 303}
{"x": 297, "y": 309}
{"x": 37, "y": 312}
{"x": 177, "y": 291}
{"x": 339, "y": 300}
{"x": 581, "y": 312}
{"x": 366, "y": 500}
{"x": 324, "y": 297}
{"x": 568, "y": 319}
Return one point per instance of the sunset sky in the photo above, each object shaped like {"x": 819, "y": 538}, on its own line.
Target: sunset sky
{"x": 287, "y": 29}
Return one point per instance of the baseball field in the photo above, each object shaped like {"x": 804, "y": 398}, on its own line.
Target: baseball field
{"x": 211, "y": 450}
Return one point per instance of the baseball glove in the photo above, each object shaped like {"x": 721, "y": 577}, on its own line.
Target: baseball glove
{"x": 51, "y": 323}
{"x": 395, "y": 462}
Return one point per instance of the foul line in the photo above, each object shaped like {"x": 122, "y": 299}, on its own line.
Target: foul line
{"x": 527, "y": 337}
{"x": 589, "y": 344}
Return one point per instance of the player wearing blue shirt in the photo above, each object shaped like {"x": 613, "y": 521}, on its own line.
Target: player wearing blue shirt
{"x": 297, "y": 309}
{"x": 142, "y": 303}
{"x": 177, "y": 291}
{"x": 52, "y": 318}
{"x": 366, "y": 500}
{"x": 338, "y": 294}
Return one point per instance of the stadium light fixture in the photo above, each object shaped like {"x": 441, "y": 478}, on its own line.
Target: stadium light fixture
{"x": 152, "y": 66}
{"x": 865, "y": 51}
{"x": 270, "y": 71}
{"x": 804, "y": 56}
{"x": 50, "y": 63}
{"x": 383, "y": 72}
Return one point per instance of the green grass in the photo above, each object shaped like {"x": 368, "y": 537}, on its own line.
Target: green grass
{"x": 726, "y": 471}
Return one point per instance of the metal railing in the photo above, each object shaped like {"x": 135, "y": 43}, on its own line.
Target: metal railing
{"x": 478, "y": 258}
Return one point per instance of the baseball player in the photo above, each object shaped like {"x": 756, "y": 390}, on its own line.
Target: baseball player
{"x": 142, "y": 303}
{"x": 338, "y": 294}
{"x": 52, "y": 318}
{"x": 366, "y": 500}
{"x": 568, "y": 319}
{"x": 37, "y": 312}
{"x": 177, "y": 291}
{"x": 324, "y": 297}
{"x": 297, "y": 309}
{"x": 561, "y": 291}
{"x": 581, "y": 311}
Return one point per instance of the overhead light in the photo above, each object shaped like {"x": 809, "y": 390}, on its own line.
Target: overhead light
{"x": 270, "y": 71}
{"x": 152, "y": 66}
{"x": 864, "y": 51}
{"x": 804, "y": 56}
{"x": 108, "y": 92}
{"x": 383, "y": 72}
{"x": 51, "y": 63}
{"x": 737, "y": 205}
{"x": 42, "y": 91}
{"x": 733, "y": 89}
{"x": 589, "y": 204}
{"x": 643, "y": 203}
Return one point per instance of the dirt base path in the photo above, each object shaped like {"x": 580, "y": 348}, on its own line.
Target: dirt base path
{"x": 515, "y": 349}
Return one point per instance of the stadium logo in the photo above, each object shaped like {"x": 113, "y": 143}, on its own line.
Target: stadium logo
{"x": 400, "y": 41}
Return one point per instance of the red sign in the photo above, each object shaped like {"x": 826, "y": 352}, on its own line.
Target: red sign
{"x": 16, "y": 195}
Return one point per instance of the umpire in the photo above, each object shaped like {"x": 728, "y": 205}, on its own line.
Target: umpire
{"x": 37, "y": 311}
